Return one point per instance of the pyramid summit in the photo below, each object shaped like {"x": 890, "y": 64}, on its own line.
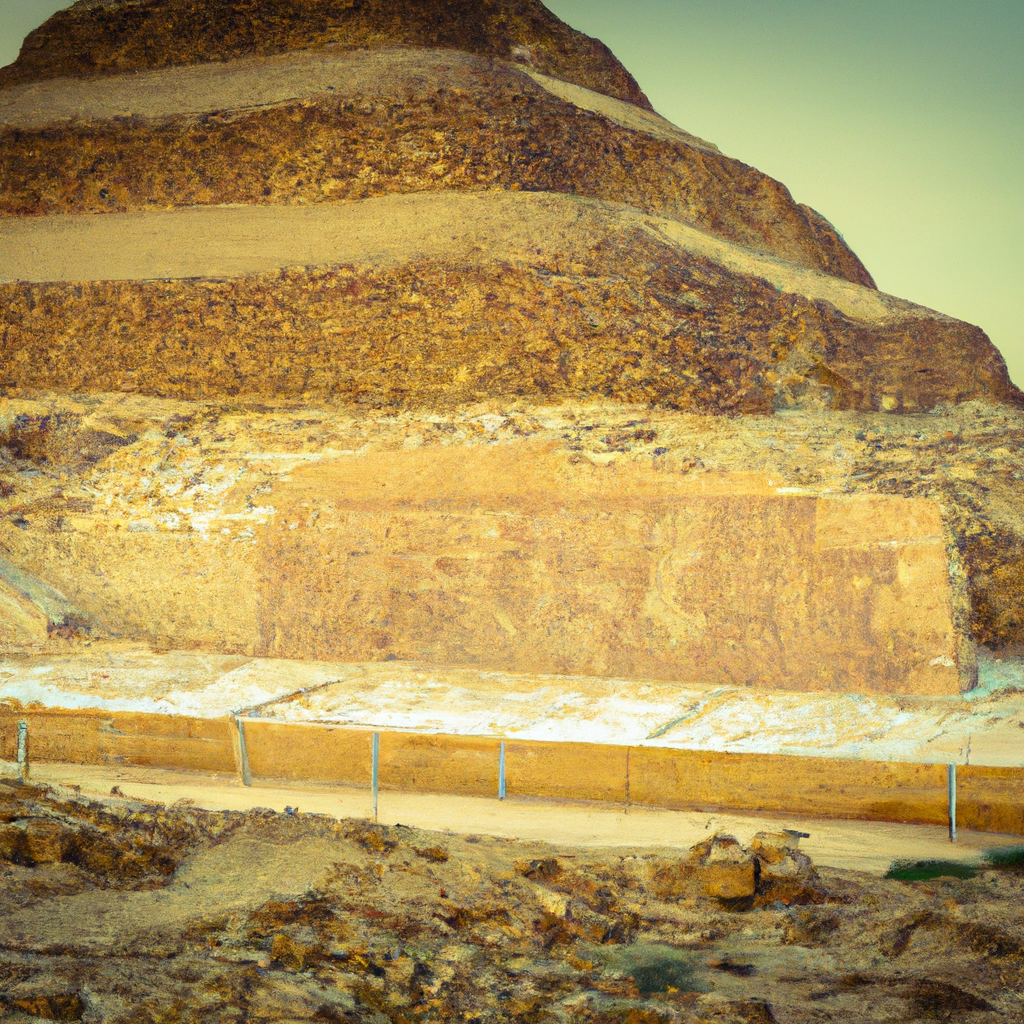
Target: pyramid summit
{"x": 109, "y": 37}
{"x": 366, "y": 331}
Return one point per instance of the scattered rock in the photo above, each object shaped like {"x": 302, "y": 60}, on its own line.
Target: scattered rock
{"x": 46, "y": 841}
{"x": 437, "y": 854}
{"x": 522, "y": 933}
{"x": 739, "y": 970}
{"x": 724, "y": 869}
{"x": 372, "y": 837}
{"x": 539, "y": 870}
{"x": 786, "y": 876}
{"x": 55, "y": 1006}
{"x": 293, "y": 955}
{"x": 719, "y": 867}
{"x": 942, "y": 1001}
{"x": 754, "y": 1011}
{"x": 726, "y": 881}
{"x": 811, "y": 928}
{"x": 779, "y": 854}
{"x": 12, "y": 838}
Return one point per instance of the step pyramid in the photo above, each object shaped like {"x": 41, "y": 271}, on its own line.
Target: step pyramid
{"x": 410, "y": 331}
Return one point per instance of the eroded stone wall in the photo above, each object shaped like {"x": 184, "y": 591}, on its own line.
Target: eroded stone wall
{"x": 523, "y": 561}
{"x": 530, "y": 557}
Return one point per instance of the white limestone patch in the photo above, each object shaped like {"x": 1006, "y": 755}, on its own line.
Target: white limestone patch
{"x": 197, "y": 685}
{"x": 683, "y": 715}
{"x": 985, "y": 729}
{"x": 234, "y": 241}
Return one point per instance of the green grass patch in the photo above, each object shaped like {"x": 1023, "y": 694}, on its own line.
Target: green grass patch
{"x": 659, "y": 974}
{"x": 923, "y": 870}
{"x": 655, "y": 967}
{"x": 1011, "y": 858}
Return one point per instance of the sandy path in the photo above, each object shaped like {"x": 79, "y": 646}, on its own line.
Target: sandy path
{"x": 300, "y": 74}
{"x": 853, "y": 845}
{"x": 231, "y": 241}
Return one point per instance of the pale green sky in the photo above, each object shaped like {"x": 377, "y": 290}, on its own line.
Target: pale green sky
{"x": 902, "y": 121}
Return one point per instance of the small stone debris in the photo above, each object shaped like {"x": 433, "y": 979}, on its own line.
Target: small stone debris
{"x": 406, "y": 928}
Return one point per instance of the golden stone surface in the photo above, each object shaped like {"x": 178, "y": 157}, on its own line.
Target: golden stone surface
{"x": 559, "y": 388}
{"x": 520, "y": 560}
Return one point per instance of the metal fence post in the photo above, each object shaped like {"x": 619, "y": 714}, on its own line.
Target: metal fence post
{"x": 374, "y": 772}
{"x": 501, "y": 772}
{"x": 23, "y": 749}
{"x": 951, "y": 785}
{"x": 243, "y": 753}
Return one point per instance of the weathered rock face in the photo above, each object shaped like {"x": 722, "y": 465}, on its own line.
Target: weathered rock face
{"x": 519, "y": 559}
{"x": 109, "y": 37}
{"x": 319, "y": 235}
{"x": 22, "y": 624}
{"x": 455, "y": 300}
{"x": 500, "y": 539}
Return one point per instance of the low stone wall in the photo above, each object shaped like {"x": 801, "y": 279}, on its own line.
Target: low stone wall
{"x": 124, "y": 738}
{"x": 988, "y": 799}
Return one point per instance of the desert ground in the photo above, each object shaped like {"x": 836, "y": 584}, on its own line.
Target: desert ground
{"x": 259, "y": 915}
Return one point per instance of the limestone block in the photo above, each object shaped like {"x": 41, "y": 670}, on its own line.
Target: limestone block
{"x": 778, "y": 855}
{"x": 45, "y": 841}
{"x": 12, "y": 841}
{"x": 773, "y": 848}
{"x": 718, "y": 867}
{"x": 728, "y": 881}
